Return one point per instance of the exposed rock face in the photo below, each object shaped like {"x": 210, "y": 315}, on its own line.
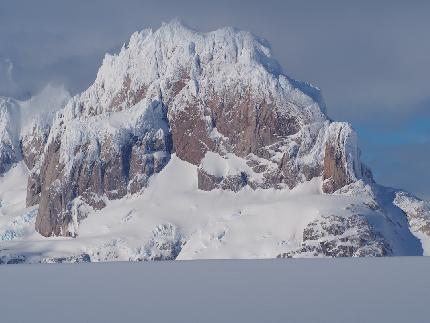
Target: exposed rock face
{"x": 219, "y": 94}
{"x": 34, "y": 188}
{"x": 334, "y": 172}
{"x": 9, "y": 133}
{"x": 342, "y": 165}
{"x": 103, "y": 161}
{"x": 32, "y": 146}
{"x": 338, "y": 236}
{"x": 67, "y": 260}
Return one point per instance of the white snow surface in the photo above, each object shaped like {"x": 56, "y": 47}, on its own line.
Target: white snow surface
{"x": 16, "y": 221}
{"x": 197, "y": 224}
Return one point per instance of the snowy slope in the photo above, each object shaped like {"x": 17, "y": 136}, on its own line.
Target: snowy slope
{"x": 172, "y": 218}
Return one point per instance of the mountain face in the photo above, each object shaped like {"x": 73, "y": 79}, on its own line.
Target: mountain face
{"x": 218, "y": 107}
{"x": 208, "y": 98}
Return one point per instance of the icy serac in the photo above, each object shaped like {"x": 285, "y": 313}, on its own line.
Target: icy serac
{"x": 193, "y": 94}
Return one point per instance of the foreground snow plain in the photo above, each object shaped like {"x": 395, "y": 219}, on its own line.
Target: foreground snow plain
{"x": 285, "y": 290}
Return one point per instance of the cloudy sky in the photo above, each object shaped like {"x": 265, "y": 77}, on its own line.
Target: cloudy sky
{"x": 371, "y": 60}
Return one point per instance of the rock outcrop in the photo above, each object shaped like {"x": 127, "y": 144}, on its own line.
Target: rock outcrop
{"x": 340, "y": 236}
{"x": 416, "y": 211}
{"x": 342, "y": 165}
{"x": 165, "y": 244}
{"x": 176, "y": 113}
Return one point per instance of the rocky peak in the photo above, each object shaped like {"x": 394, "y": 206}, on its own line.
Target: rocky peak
{"x": 216, "y": 98}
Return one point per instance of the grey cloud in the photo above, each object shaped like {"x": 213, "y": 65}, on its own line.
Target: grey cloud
{"x": 409, "y": 163}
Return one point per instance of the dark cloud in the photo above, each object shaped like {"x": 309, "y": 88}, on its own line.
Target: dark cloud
{"x": 371, "y": 58}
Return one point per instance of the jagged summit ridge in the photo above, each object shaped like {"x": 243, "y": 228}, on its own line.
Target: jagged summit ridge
{"x": 174, "y": 52}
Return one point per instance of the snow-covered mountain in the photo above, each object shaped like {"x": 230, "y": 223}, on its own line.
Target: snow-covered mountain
{"x": 193, "y": 145}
